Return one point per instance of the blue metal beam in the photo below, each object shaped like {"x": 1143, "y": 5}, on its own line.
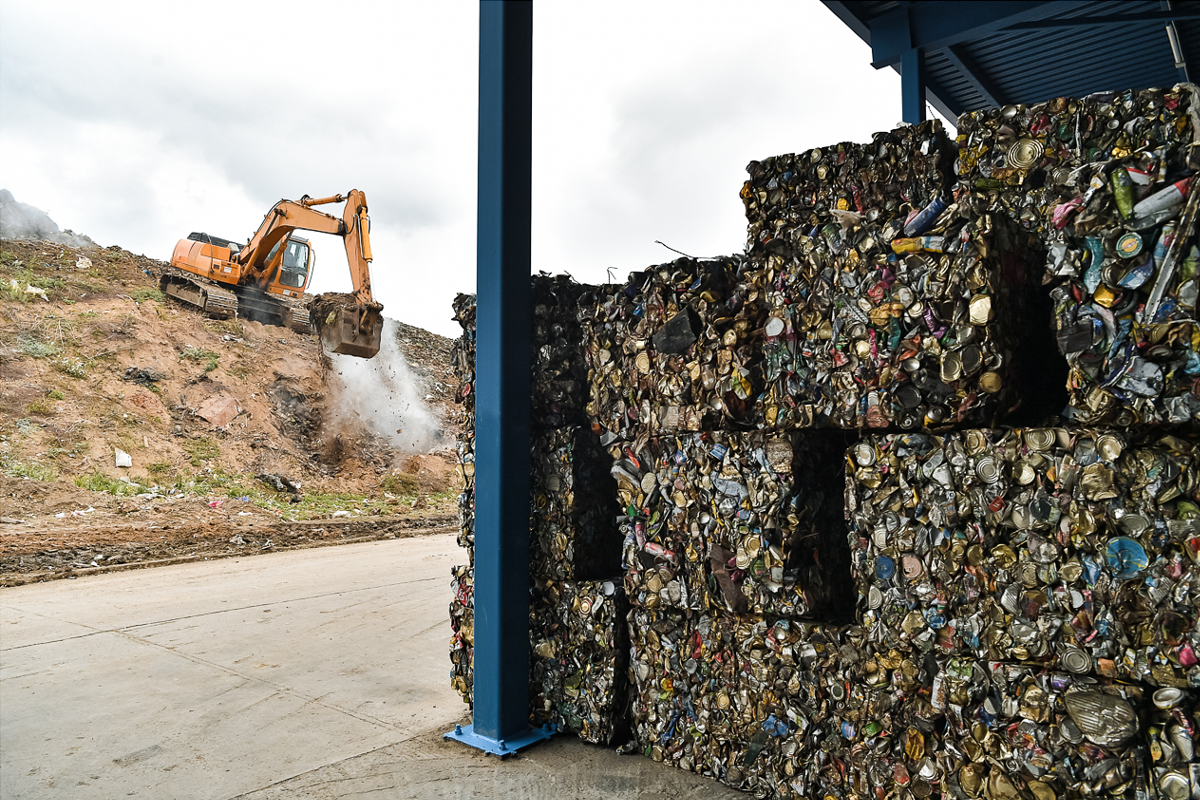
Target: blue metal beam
{"x": 503, "y": 312}
{"x": 937, "y": 25}
{"x": 1104, "y": 19}
{"x": 912, "y": 87}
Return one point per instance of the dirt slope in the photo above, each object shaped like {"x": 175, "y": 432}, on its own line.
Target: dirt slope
{"x": 98, "y": 369}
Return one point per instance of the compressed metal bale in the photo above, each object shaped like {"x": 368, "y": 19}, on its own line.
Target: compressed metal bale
{"x": 1027, "y": 160}
{"x": 744, "y": 700}
{"x": 573, "y": 533}
{"x": 462, "y": 626}
{"x": 745, "y": 522}
{"x": 672, "y": 349}
{"x": 960, "y": 727}
{"x": 557, "y": 372}
{"x": 1073, "y": 548}
{"x": 581, "y": 657}
{"x": 898, "y": 171}
{"x": 1105, "y": 182}
{"x": 870, "y": 328}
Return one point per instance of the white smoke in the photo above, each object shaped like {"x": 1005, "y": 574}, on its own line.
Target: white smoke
{"x": 383, "y": 395}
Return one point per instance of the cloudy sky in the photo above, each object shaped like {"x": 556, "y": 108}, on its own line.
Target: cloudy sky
{"x": 138, "y": 122}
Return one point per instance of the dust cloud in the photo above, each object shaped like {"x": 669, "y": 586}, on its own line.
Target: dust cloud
{"x": 383, "y": 395}
{"x": 23, "y": 221}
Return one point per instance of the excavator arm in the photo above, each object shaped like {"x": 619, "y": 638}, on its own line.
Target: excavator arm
{"x": 354, "y": 330}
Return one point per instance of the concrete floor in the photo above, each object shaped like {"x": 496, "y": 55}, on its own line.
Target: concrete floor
{"x": 315, "y": 673}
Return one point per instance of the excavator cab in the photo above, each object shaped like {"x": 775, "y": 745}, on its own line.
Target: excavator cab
{"x": 295, "y": 268}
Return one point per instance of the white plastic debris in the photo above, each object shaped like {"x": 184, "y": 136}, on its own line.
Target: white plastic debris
{"x": 36, "y": 291}
{"x": 83, "y": 262}
{"x": 123, "y": 459}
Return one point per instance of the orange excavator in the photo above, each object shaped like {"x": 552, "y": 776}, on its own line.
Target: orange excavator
{"x": 264, "y": 280}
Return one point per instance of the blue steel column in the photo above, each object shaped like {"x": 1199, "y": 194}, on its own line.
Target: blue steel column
{"x": 501, "y": 716}
{"x": 912, "y": 87}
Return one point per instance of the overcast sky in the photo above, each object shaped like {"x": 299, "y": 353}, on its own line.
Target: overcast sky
{"x": 138, "y": 122}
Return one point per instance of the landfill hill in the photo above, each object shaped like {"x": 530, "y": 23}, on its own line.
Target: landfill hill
{"x": 223, "y": 423}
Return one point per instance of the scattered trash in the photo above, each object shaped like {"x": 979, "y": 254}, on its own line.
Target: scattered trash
{"x": 218, "y": 410}
{"x": 279, "y": 483}
{"x": 122, "y": 458}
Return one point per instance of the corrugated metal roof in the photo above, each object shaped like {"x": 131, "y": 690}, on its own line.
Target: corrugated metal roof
{"x": 978, "y": 55}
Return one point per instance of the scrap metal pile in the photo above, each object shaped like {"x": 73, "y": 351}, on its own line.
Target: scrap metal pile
{"x": 878, "y": 535}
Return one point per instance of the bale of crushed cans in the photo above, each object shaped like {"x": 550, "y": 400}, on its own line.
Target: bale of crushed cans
{"x": 743, "y": 522}
{"x": 578, "y": 639}
{"x": 800, "y": 710}
{"x": 674, "y": 348}
{"x": 1106, "y": 183}
{"x": 1073, "y": 549}
{"x": 573, "y": 533}
{"x": 741, "y": 699}
{"x": 899, "y": 171}
{"x": 889, "y": 305}
{"x": 557, "y": 371}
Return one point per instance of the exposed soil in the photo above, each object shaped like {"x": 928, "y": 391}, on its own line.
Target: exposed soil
{"x": 222, "y": 424}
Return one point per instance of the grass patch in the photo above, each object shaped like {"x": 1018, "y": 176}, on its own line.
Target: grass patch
{"x": 19, "y": 469}
{"x": 55, "y": 394}
{"x": 37, "y": 348}
{"x": 99, "y": 482}
{"x": 38, "y": 408}
{"x": 199, "y": 355}
{"x": 232, "y": 327}
{"x": 202, "y": 450}
{"x": 145, "y": 293}
{"x": 160, "y": 468}
{"x": 13, "y": 293}
{"x": 400, "y": 483}
{"x": 74, "y": 367}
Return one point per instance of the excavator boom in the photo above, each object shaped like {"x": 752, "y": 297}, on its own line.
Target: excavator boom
{"x": 273, "y": 268}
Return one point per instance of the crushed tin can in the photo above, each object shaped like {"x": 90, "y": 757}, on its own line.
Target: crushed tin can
{"x": 674, "y": 348}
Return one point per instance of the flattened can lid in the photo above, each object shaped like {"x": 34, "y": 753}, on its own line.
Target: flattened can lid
{"x": 1024, "y": 153}
{"x": 1076, "y": 660}
{"x": 1175, "y": 786}
{"x": 987, "y": 469}
{"x": 775, "y": 326}
{"x": 1129, "y": 245}
{"x": 885, "y": 568}
{"x": 864, "y": 454}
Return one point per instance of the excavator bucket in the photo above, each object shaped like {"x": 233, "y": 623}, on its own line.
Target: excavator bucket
{"x": 342, "y": 333}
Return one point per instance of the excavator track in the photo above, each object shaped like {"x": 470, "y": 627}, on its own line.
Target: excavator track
{"x": 229, "y": 303}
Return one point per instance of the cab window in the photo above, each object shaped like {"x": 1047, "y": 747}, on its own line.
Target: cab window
{"x": 294, "y": 270}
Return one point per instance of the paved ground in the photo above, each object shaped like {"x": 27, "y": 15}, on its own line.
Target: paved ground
{"x": 317, "y": 673}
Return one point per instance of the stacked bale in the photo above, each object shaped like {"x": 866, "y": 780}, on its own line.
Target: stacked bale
{"x": 675, "y": 348}
{"x": 1105, "y": 181}
{"x": 1026, "y": 619}
{"x": 734, "y": 522}
{"x": 1074, "y": 549}
{"x": 889, "y": 305}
